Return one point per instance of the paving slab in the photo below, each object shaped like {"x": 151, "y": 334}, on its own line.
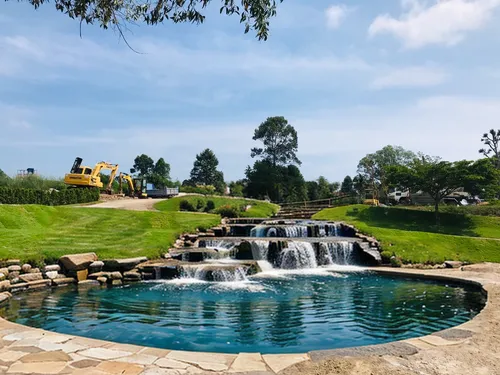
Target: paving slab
{"x": 85, "y": 363}
{"x": 206, "y": 361}
{"x": 155, "y": 351}
{"x": 139, "y": 359}
{"x": 103, "y": 353}
{"x": 10, "y": 356}
{"x": 118, "y": 368}
{"x": 57, "y": 356}
{"x": 439, "y": 341}
{"x": 171, "y": 364}
{"x": 278, "y": 362}
{"x": 36, "y": 368}
{"x": 246, "y": 362}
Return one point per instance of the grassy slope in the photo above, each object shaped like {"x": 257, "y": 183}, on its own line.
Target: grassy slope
{"x": 415, "y": 238}
{"x": 258, "y": 209}
{"x": 31, "y": 232}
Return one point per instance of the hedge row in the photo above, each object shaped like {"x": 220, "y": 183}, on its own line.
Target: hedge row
{"x": 46, "y": 197}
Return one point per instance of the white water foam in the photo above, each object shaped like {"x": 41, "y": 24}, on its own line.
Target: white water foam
{"x": 298, "y": 255}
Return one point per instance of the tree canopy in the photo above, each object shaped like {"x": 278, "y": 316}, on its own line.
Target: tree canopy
{"x": 347, "y": 186}
{"x": 280, "y": 142}
{"x": 205, "y": 171}
{"x": 143, "y": 165}
{"x": 492, "y": 142}
{"x": 254, "y": 14}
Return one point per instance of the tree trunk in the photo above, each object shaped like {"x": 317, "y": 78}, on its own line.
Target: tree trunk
{"x": 436, "y": 211}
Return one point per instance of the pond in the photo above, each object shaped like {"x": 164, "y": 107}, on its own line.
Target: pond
{"x": 275, "y": 312}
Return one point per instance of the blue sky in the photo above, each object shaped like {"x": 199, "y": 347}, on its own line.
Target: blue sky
{"x": 351, "y": 77}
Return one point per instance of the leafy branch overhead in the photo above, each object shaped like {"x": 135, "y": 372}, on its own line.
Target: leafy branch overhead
{"x": 492, "y": 142}
{"x": 254, "y": 14}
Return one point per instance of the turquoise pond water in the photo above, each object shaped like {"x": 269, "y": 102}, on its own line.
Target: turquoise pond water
{"x": 281, "y": 313}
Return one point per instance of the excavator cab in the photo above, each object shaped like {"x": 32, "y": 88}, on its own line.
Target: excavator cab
{"x": 83, "y": 176}
{"x": 136, "y": 186}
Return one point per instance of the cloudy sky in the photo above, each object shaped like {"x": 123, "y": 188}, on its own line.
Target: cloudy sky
{"x": 351, "y": 77}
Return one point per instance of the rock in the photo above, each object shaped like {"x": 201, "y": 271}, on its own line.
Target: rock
{"x": 18, "y": 287}
{"x": 35, "y": 270}
{"x": 2, "y": 276}
{"x": 61, "y": 276}
{"x": 102, "y": 280}
{"x": 26, "y": 267}
{"x": 51, "y": 274}
{"x": 116, "y": 282}
{"x": 132, "y": 276}
{"x": 13, "y": 262}
{"x": 39, "y": 284}
{"x": 4, "y": 270}
{"x": 31, "y": 277}
{"x": 63, "y": 281}
{"x": 77, "y": 262}
{"x": 82, "y": 275}
{"x": 96, "y": 266}
{"x": 452, "y": 264}
{"x": 123, "y": 264}
{"x": 52, "y": 268}
{"x": 14, "y": 275}
{"x": 5, "y": 296}
{"x": 4, "y": 286}
{"x": 14, "y": 268}
{"x": 115, "y": 276}
{"x": 15, "y": 280}
{"x": 89, "y": 283}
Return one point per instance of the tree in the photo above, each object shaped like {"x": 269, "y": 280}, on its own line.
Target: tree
{"x": 160, "y": 176}
{"x": 293, "y": 184}
{"x": 143, "y": 165}
{"x": 324, "y": 191}
{"x": 436, "y": 178}
{"x": 347, "y": 186}
{"x": 334, "y": 187}
{"x": 236, "y": 188}
{"x": 254, "y": 14}
{"x": 492, "y": 150}
{"x": 360, "y": 184}
{"x": 373, "y": 166}
{"x": 280, "y": 142}
{"x": 312, "y": 190}
{"x": 205, "y": 171}
{"x": 482, "y": 179}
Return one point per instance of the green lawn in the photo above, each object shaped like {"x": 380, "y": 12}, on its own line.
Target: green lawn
{"x": 414, "y": 237}
{"x": 36, "y": 233}
{"x": 257, "y": 209}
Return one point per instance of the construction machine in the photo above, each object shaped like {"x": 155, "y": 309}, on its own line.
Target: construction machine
{"x": 136, "y": 186}
{"x": 83, "y": 176}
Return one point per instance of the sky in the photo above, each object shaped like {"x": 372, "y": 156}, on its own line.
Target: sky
{"x": 350, "y": 76}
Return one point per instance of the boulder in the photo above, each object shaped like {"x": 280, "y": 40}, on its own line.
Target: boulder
{"x": 4, "y": 285}
{"x": 52, "y": 268}
{"x": 63, "y": 281}
{"x": 51, "y": 274}
{"x": 96, "y": 266}
{"x": 89, "y": 283}
{"x": 5, "y": 296}
{"x": 77, "y": 262}
{"x": 14, "y": 275}
{"x": 26, "y": 267}
{"x": 115, "y": 275}
{"x": 16, "y": 280}
{"x": 4, "y": 270}
{"x": 132, "y": 276}
{"x": 19, "y": 287}
{"x": 39, "y": 284}
{"x": 14, "y": 268}
{"x": 35, "y": 270}
{"x": 452, "y": 264}
{"x": 102, "y": 280}
{"x": 2, "y": 276}
{"x": 123, "y": 264}
{"x": 116, "y": 282}
{"x": 27, "y": 277}
{"x": 82, "y": 275}
{"x": 96, "y": 275}
{"x": 13, "y": 262}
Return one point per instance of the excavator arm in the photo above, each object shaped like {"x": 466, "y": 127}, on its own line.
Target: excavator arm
{"x": 107, "y": 166}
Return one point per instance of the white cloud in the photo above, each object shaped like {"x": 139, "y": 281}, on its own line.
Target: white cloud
{"x": 413, "y": 76}
{"x": 444, "y": 22}
{"x": 335, "y": 15}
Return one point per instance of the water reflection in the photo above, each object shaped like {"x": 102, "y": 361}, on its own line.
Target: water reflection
{"x": 291, "y": 314}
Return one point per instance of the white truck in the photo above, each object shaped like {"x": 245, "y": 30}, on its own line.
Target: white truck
{"x": 459, "y": 197}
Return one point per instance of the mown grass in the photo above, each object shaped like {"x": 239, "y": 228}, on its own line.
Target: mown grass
{"x": 414, "y": 237}
{"x": 257, "y": 209}
{"x": 41, "y": 233}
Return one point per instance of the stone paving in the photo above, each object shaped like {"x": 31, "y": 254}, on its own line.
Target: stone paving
{"x": 26, "y": 350}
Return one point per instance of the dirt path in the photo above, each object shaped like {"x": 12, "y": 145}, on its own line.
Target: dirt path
{"x": 128, "y": 204}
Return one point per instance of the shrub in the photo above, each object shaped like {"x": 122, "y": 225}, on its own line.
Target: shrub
{"x": 47, "y": 197}
{"x": 228, "y": 211}
{"x": 210, "y": 206}
{"x": 186, "y": 205}
{"x": 200, "y": 204}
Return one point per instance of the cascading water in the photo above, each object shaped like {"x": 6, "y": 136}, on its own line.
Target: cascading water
{"x": 210, "y": 273}
{"x": 260, "y": 249}
{"x": 335, "y": 253}
{"x": 296, "y": 231}
{"x": 298, "y": 255}
{"x": 328, "y": 230}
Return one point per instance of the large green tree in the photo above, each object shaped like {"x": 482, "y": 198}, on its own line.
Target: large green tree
{"x": 254, "y": 14}
{"x": 491, "y": 150}
{"x": 205, "y": 171}
{"x": 143, "y": 165}
{"x": 324, "y": 190}
{"x": 347, "y": 186}
{"x": 280, "y": 142}
{"x": 360, "y": 185}
{"x": 160, "y": 176}
{"x": 374, "y": 166}
{"x": 312, "y": 190}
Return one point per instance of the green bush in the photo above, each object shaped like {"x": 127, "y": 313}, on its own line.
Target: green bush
{"x": 200, "y": 204}
{"x": 210, "y": 206}
{"x": 47, "y": 197}
{"x": 204, "y": 190}
{"x": 228, "y": 211}
{"x": 186, "y": 205}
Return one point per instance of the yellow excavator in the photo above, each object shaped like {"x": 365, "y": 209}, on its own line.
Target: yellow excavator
{"x": 83, "y": 176}
{"x": 136, "y": 186}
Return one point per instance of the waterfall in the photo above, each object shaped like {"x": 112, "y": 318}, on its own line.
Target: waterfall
{"x": 260, "y": 249}
{"x": 258, "y": 231}
{"x": 335, "y": 253}
{"x": 296, "y": 231}
{"x": 298, "y": 255}
{"x": 328, "y": 230}
{"x": 272, "y": 232}
{"x": 209, "y": 273}
{"x": 219, "y": 245}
